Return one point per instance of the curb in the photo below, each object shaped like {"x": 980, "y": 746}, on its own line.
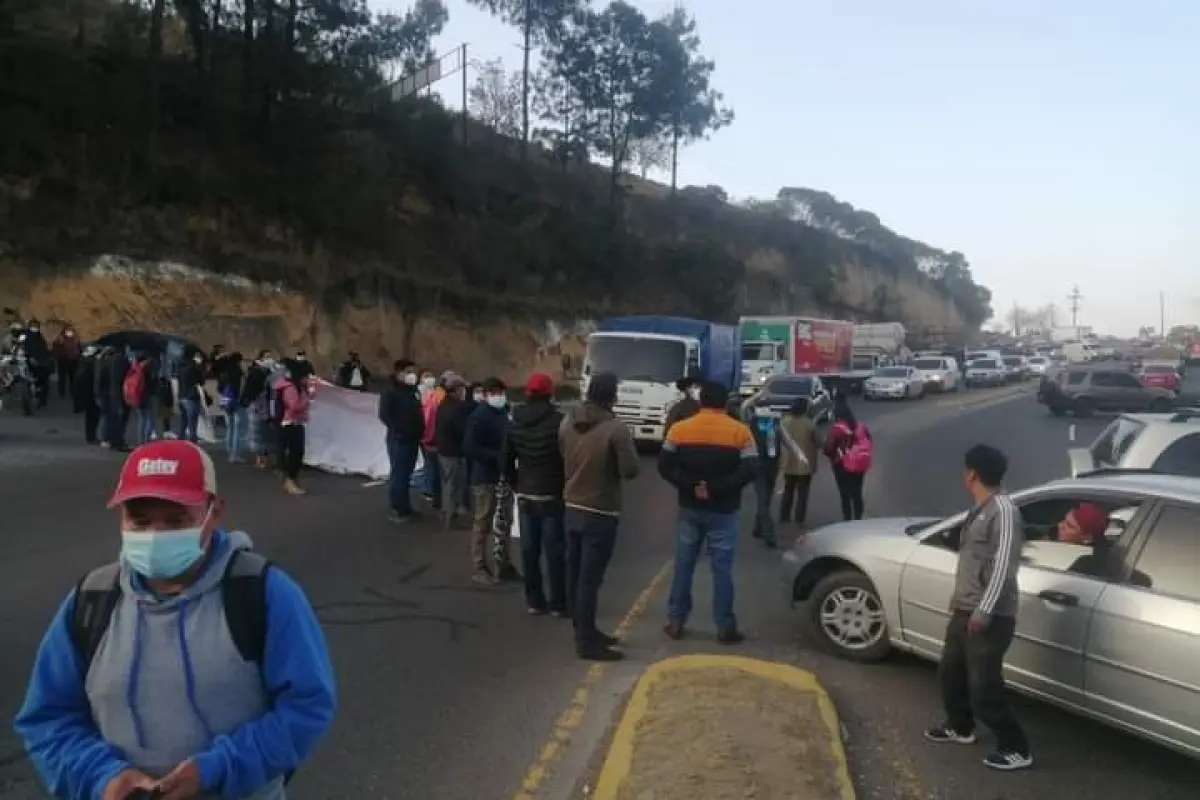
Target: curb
{"x": 619, "y": 759}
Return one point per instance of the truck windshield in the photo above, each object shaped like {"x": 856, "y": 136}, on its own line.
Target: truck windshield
{"x": 863, "y": 362}
{"x": 636, "y": 359}
{"x": 759, "y": 351}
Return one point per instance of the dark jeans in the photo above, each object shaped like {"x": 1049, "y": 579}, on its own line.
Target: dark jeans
{"x": 795, "y": 492}
{"x": 114, "y": 417}
{"x": 291, "y": 450}
{"x": 189, "y": 419}
{"x": 542, "y": 532}
{"x": 850, "y": 488}
{"x": 973, "y": 680}
{"x": 402, "y": 460}
{"x": 764, "y": 489}
{"x": 433, "y": 476}
{"x": 66, "y": 375}
{"x": 91, "y": 421}
{"x": 693, "y": 530}
{"x": 590, "y": 541}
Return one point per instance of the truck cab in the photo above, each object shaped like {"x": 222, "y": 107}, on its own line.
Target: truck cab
{"x": 647, "y": 366}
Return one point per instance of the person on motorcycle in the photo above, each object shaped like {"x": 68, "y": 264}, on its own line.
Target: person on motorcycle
{"x": 38, "y": 353}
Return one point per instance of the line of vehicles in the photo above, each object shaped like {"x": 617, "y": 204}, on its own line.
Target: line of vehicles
{"x": 776, "y": 358}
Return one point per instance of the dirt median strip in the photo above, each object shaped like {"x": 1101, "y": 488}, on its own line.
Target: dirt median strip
{"x": 726, "y": 728}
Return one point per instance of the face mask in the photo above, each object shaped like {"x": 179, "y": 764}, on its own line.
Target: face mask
{"x": 428, "y": 382}
{"x": 694, "y": 394}
{"x": 497, "y": 401}
{"x": 165, "y": 554}
{"x": 477, "y": 397}
{"x": 69, "y": 334}
{"x": 410, "y": 379}
{"x": 34, "y": 329}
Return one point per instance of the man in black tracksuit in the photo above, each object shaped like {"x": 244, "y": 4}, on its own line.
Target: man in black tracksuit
{"x": 533, "y": 466}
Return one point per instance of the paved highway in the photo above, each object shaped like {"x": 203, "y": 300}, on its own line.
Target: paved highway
{"x": 451, "y": 691}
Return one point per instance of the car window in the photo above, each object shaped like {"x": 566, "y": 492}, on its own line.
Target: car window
{"x": 794, "y": 387}
{"x": 928, "y": 363}
{"x": 1114, "y": 441}
{"x": 892, "y": 372}
{"x": 1044, "y": 550}
{"x": 984, "y": 365}
{"x": 1168, "y": 561}
{"x": 1075, "y": 378}
{"x": 1012, "y": 362}
{"x": 1126, "y": 380}
{"x": 1104, "y": 379}
{"x": 1182, "y": 456}
{"x": 1159, "y": 369}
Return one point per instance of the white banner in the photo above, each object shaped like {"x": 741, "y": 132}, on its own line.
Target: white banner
{"x": 344, "y": 435}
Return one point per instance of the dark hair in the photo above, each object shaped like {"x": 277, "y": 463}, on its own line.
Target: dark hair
{"x": 842, "y": 413}
{"x": 262, "y": 354}
{"x": 713, "y": 395}
{"x": 602, "y": 390}
{"x": 494, "y": 386}
{"x": 401, "y": 364}
{"x": 988, "y": 462}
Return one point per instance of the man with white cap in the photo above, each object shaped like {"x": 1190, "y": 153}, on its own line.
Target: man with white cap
{"x": 191, "y": 667}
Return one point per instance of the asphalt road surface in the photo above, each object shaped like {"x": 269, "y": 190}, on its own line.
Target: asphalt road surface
{"x": 451, "y": 691}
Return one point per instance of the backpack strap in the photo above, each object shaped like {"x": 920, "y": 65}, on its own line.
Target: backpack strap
{"x": 244, "y": 594}
{"x": 96, "y": 599}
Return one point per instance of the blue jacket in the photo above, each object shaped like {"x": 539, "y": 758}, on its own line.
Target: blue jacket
{"x": 483, "y": 443}
{"x": 245, "y": 725}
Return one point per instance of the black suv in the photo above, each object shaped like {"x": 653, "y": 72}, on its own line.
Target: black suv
{"x": 1084, "y": 390}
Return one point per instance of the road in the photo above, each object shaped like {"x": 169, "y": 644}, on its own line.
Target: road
{"x": 451, "y": 691}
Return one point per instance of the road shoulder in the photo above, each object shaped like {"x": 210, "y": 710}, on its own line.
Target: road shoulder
{"x": 692, "y": 720}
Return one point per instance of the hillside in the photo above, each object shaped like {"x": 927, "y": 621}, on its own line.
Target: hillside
{"x": 358, "y": 221}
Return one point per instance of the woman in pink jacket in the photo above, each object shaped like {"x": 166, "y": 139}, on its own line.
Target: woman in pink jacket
{"x": 293, "y": 392}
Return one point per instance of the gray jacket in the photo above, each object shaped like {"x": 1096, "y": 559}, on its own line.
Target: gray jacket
{"x": 989, "y": 555}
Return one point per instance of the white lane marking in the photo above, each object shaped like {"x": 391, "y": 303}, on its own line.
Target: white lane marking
{"x": 373, "y": 484}
{"x": 1071, "y": 433}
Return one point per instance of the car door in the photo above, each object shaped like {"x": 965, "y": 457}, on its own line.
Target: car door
{"x": 1134, "y": 396}
{"x": 1104, "y": 393}
{"x": 927, "y": 584}
{"x": 1143, "y": 646}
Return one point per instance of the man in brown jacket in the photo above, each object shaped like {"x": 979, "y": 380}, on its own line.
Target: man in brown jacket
{"x": 798, "y": 460}
{"x": 598, "y": 456}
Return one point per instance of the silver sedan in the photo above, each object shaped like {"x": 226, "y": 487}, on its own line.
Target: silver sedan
{"x": 900, "y": 383}
{"x": 1109, "y": 630}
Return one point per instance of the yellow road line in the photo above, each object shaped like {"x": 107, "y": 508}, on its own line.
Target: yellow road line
{"x": 572, "y": 717}
{"x": 620, "y": 755}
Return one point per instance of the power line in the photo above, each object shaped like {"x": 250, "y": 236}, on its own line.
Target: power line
{"x": 1075, "y": 296}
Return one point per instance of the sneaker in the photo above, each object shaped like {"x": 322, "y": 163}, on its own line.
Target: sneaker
{"x": 944, "y": 734}
{"x": 508, "y": 573}
{"x": 674, "y": 630}
{"x": 483, "y": 578}
{"x": 599, "y": 654}
{"x": 534, "y": 611}
{"x": 397, "y": 518}
{"x": 559, "y": 613}
{"x": 605, "y": 640}
{"x": 1008, "y": 760}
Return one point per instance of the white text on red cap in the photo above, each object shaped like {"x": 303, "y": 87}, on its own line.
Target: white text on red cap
{"x": 156, "y": 466}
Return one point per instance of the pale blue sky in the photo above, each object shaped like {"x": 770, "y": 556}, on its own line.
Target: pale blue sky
{"x": 1052, "y": 141}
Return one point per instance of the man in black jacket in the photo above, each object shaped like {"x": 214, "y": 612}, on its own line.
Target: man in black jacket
{"x": 400, "y": 413}
{"x": 687, "y": 405}
{"x": 449, "y": 432}
{"x": 533, "y": 466}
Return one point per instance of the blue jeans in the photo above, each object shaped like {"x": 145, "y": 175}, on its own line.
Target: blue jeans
{"x": 433, "y": 475}
{"x": 542, "y": 532}
{"x": 189, "y": 420}
{"x": 111, "y": 429}
{"x": 147, "y": 422}
{"x": 235, "y": 425}
{"x": 692, "y": 529}
{"x": 402, "y": 460}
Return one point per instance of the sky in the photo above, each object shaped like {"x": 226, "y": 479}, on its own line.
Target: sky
{"x": 1053, "y": 142}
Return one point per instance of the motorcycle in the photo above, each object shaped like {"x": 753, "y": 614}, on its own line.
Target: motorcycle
{"x": 17, "y": 383}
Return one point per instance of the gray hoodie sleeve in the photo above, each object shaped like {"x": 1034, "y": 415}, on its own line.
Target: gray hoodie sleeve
{"x": 1006, "y": 536}
{"x": 628, "y": 463}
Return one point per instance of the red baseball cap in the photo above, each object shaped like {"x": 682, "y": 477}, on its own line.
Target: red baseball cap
{"x": 1091, "y": 519}
{"x": 539, "y": 385}
{"x": 173, "y": 470}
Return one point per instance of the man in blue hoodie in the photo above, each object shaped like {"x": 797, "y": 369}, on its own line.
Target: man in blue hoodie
{"x": 191, "y": 667}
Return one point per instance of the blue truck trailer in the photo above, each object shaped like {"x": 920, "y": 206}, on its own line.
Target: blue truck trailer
{"x": 649, "y": 354}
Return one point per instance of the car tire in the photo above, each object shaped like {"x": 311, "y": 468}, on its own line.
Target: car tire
{"x": 1058, "y": 411}
{"x": 1085, "y": 407}
{"x": 1160, "y": 405}
{"x": 844, "y": 588}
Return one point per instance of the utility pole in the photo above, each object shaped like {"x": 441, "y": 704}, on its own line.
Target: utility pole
{"x": 466, "y": 120}
{"x": 1075, "y": 296}
{"x": 1016, "y": 319}
{"x": 1162, "y": 315}
{"x": 1053, "y": 309}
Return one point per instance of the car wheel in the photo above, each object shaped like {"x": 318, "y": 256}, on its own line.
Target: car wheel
{"x": 1085, "y": 407}
{"x": 848, "y": 618}
{"x": 1160, "y": 405}
{"x": 1057, "y": 411}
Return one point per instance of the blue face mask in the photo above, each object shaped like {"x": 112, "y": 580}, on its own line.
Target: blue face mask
{"x": 161, "y": 554}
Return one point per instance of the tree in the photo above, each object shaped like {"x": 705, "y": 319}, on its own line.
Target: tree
{"x": 689, "y": 109}
{"x": 648, "y": 154}
{"x": 540, "y": 21}
{"x": 495, "y": 99}
{"x": 607, "y": 60}
{"x": 569, "y": 130}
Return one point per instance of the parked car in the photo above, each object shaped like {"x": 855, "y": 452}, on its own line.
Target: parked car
{"x": 780, "y": 392}
{"x": 1167, "y": 443}
{"x": 1039, "y": 365}
{"x": 1016, "y": 367}
{"x": 1110, "y": 631}
{"x": 939, "y": 373}
{"x": 896, "y": 383}
{"x": 986, "y": 372}
{"x": 1084, "y": 390}
{"x": 1161, "y": 375}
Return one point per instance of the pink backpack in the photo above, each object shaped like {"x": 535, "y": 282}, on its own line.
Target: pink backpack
{"x": 857, "y": 457}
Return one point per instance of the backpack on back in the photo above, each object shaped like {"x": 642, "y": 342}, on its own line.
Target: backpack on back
{"x": 133, "y": 390}
{"x": 857, "y": 457}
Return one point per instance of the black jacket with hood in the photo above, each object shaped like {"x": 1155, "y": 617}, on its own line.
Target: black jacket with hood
{"x": 450, "y": 427}
{"x": 532, "y": 462}
{"x": 400, "y": 412}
